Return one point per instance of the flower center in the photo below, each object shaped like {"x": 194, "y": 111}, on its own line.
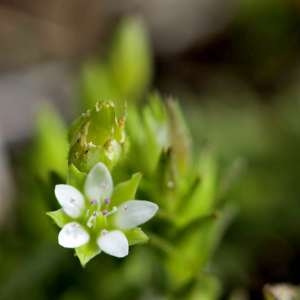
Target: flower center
{"x": 107, "y": 213}
{"x": 95, "y": 210}
{"x": 92, "y": 219}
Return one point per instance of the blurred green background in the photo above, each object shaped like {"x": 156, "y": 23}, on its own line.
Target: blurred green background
{"x": 234, "y": 66}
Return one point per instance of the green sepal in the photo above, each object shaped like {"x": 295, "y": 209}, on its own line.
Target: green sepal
{"x": 126, "y": 190}
{"x": 87, "y": 252}
{"x": 136, "y": 236}
{"x": 59, "y": 217}
{"x": 75, "y": 177}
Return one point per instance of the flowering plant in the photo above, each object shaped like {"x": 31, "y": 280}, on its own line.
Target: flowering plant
{"x": 101, "y": 218}
{"x": 109, "y": 143}
{"x": 95, "y": 216}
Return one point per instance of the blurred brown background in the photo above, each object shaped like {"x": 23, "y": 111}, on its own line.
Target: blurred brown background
{"x": 42, "y": 41}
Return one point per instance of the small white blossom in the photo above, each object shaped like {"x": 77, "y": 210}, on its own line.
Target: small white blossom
{"x": 95, "y": 203}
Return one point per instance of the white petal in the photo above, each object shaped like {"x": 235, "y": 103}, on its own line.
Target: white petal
{"x": 114, "y": 243}
{"x": 98, "y": 184}
{"x": 70, "y": 199}
{"x": 133, "y": 213}
{"x": 72, "y": 235}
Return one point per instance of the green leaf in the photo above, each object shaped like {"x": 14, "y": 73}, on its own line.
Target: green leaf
{"x": 126, "y": 190}
{"x": 156, "y": 132}
{"x": 202, "y": 201}
{"x": 75, "y": 177}
{"x": 50, "y": 146}
{"x": 96, "y": 84}
{"x": 180, "y": 138}
{"x": 59, "y": 217}
{"x": 206, "y": 288}
{"x": 130, "y": 59}
{"x": 195, "y": 223}
{"x": 147, "y": 127}
{"x": 86, "y": 252}
{"x": 195, "y": 248}
{"x": 136, "y": 236}
{"x": 191, "y": 254}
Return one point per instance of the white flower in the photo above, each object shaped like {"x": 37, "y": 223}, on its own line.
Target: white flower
{"x": 86, "y": 209}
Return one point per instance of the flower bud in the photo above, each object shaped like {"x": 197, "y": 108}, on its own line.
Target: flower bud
{"x": 98, "y": 135}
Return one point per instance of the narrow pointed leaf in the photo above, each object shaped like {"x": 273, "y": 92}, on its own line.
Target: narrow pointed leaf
{"x": 202, "y": 201}
{"x": 126, "y": 190}
{"x": 194, "y": 249}
{"x": 59, "y": 217}
{"x": 131, "y": 75}
{"x": 75, "y": 177}
{"x": 180, "y": 138}
{"x": 86, "y": 252}
{"x": 136, "y": 236}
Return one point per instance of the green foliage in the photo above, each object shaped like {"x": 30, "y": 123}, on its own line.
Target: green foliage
{"x": 136, "y": 236}
{"x": 75, "y": 177}
{"x": 187, "y": 183}
{"x": 204, "y": 189}
{"x": 158, "y": 145}
{"x": 87, "y": 252}
{"x": 126, "y": 190}
{"x": 152, "y": 140}
{"x": 59, "y": 217}
{"x": 180, "y": 138}
{"x": 148, "y": 131}
{"x": 185, "y": 191}
{"x": 96, "y": 83}
{"x": 130, "y": 59}
{"x": 207, "y": 287}
{"x": 127, "y": 72}
{"x": 50, "y": 144}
